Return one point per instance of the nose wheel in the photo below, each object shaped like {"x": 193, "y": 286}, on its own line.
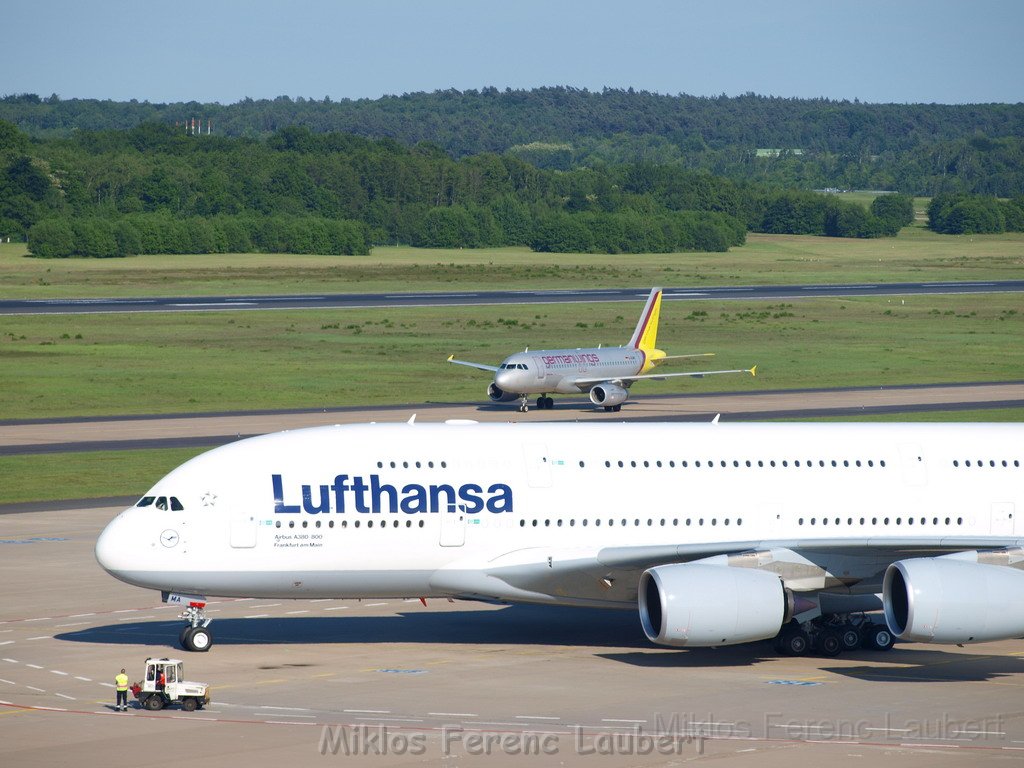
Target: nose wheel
{"x": 196, "y": 635}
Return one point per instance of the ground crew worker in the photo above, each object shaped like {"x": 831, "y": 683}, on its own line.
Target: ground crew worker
{"x": 121, "y": 684}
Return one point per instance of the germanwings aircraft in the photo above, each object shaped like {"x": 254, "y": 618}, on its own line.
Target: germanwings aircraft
{"x": 606, "y": 373}
{"x": 716, "y": 533}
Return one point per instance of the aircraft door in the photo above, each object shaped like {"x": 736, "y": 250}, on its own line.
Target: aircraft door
{"x": 243, "y": 529}
{"x": 915, "y": 470}
{"x": 538, "y": 467}
{"x": 1002, "y": 518}
{"x": 540, "y": 368}
{"x": 453, "y": 527}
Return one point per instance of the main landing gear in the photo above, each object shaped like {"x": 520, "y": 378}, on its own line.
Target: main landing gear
{"x": 832, "y": 636}
{"x": 196, "y": 636}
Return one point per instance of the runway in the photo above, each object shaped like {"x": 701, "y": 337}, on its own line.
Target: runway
{"x": 432, "y": 677}
{"x": 467, "y": 298}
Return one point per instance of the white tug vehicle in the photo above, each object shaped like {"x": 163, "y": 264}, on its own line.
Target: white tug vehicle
{"x": 165, "y": 684}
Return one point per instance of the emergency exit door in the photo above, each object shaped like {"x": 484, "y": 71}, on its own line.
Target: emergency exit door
{"x": 243, "y": 530}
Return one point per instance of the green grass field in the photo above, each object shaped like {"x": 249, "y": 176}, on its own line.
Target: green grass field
{"x": 765, "y": 259}
{"x": 86, "y": 365}
{"x": 87, "y": 475}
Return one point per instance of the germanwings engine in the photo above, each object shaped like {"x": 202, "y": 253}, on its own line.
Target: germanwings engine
{"x": 952, "y": 600}
{"x": 498, "y": 395}
{"x": 700, "y": 605}
{"x": 608, "y": 395}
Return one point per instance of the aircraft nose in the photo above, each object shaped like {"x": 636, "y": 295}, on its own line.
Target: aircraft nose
{"x": 505, "y": 380}
{"x": 112, "y": 549}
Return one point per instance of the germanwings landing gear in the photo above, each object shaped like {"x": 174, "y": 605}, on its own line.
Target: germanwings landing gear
{"x": 545, "y": 403}
{"x": 196, "y": 635}
{"x": 831, "y": 636}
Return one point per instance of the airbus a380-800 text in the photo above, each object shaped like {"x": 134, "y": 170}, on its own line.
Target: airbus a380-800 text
{"x": 716, "y": 533}
{"x": 604, "y": 373}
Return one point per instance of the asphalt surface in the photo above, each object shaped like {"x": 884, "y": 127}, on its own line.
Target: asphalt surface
{"x": 583, "y": 685}
{"x": 464, "y": 298}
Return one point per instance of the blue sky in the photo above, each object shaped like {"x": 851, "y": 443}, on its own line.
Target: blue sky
{"x": 950, "y": 51}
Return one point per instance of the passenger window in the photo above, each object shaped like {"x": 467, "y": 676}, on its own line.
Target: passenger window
{"x": 161, "y": 503}
{"x": 145, "y": 501}
{"x": 176, "y": 506}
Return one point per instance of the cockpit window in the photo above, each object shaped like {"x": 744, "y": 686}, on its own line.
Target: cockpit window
{"x": 161, "y": 503}
{"x": 145, "y": 501}
{"x": 176, "y": 506}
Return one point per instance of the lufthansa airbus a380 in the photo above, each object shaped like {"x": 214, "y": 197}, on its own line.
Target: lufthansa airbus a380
{"x": 716, "y": 533}
{"x": 605, "y": 373}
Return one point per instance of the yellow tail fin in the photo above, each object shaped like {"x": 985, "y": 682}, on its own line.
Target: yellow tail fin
{"x": 646, "y": 334}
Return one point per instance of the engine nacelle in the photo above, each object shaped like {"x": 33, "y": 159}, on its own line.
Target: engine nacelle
{"x": 608, "y": 395}
{"x": 499, "y": 395}
{"x": 945, "y": 600}
{"x": 699, "y": 605}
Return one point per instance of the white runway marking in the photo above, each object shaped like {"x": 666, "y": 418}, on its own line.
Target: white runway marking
{"x": 34, "y": 666}
{"x": 257, "y": 616}
{"x": 83, "y": 679}
{"x": 7, "y": 642}
{"x": 41, "y": 690}
{"x": 40, "y": 637}
{"x": 536, "y": 717}
{"x": 292, "y": 613}
{"x": 58, "y": 672}
{"x": 217, "y": 304}
{"x": 368, "y": 711}
{"x": 621, "y": 720}
{"x": 9, "y": 682}
{"x": 337, "y": 608}
{"x": 65, "y": 696}
{"x": 452, "y": 714}
{"x": 269, "y": 722}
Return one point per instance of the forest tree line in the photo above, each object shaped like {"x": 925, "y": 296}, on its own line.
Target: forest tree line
{"x": 915, "y": 149}
{"x": 152, "y": 189}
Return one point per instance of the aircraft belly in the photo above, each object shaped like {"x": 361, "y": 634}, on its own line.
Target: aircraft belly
{"x": 565, "y": 386}
{"x": 391, "y": 583}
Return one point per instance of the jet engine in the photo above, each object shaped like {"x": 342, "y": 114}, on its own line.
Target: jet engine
{"x": 700, "y": 605}
{"x": 608, "y": 395}
{"x": 499, "y": 395}
{"x": 947, "y": 600}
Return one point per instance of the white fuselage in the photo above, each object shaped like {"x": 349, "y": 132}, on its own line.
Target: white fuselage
{"x": 552, "y": 512}
{"x": 557, "y": 370}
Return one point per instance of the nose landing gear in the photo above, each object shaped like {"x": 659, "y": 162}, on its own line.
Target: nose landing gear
{"x": 196, "y": 636}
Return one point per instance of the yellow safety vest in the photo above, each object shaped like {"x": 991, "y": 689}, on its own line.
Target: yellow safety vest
{"x": 122, "y": 682}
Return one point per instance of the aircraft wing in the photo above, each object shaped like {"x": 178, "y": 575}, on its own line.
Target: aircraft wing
{"x": 657, "y": 376}
{"x": 481, "y": 366}
{"x": 609, "y": 575}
